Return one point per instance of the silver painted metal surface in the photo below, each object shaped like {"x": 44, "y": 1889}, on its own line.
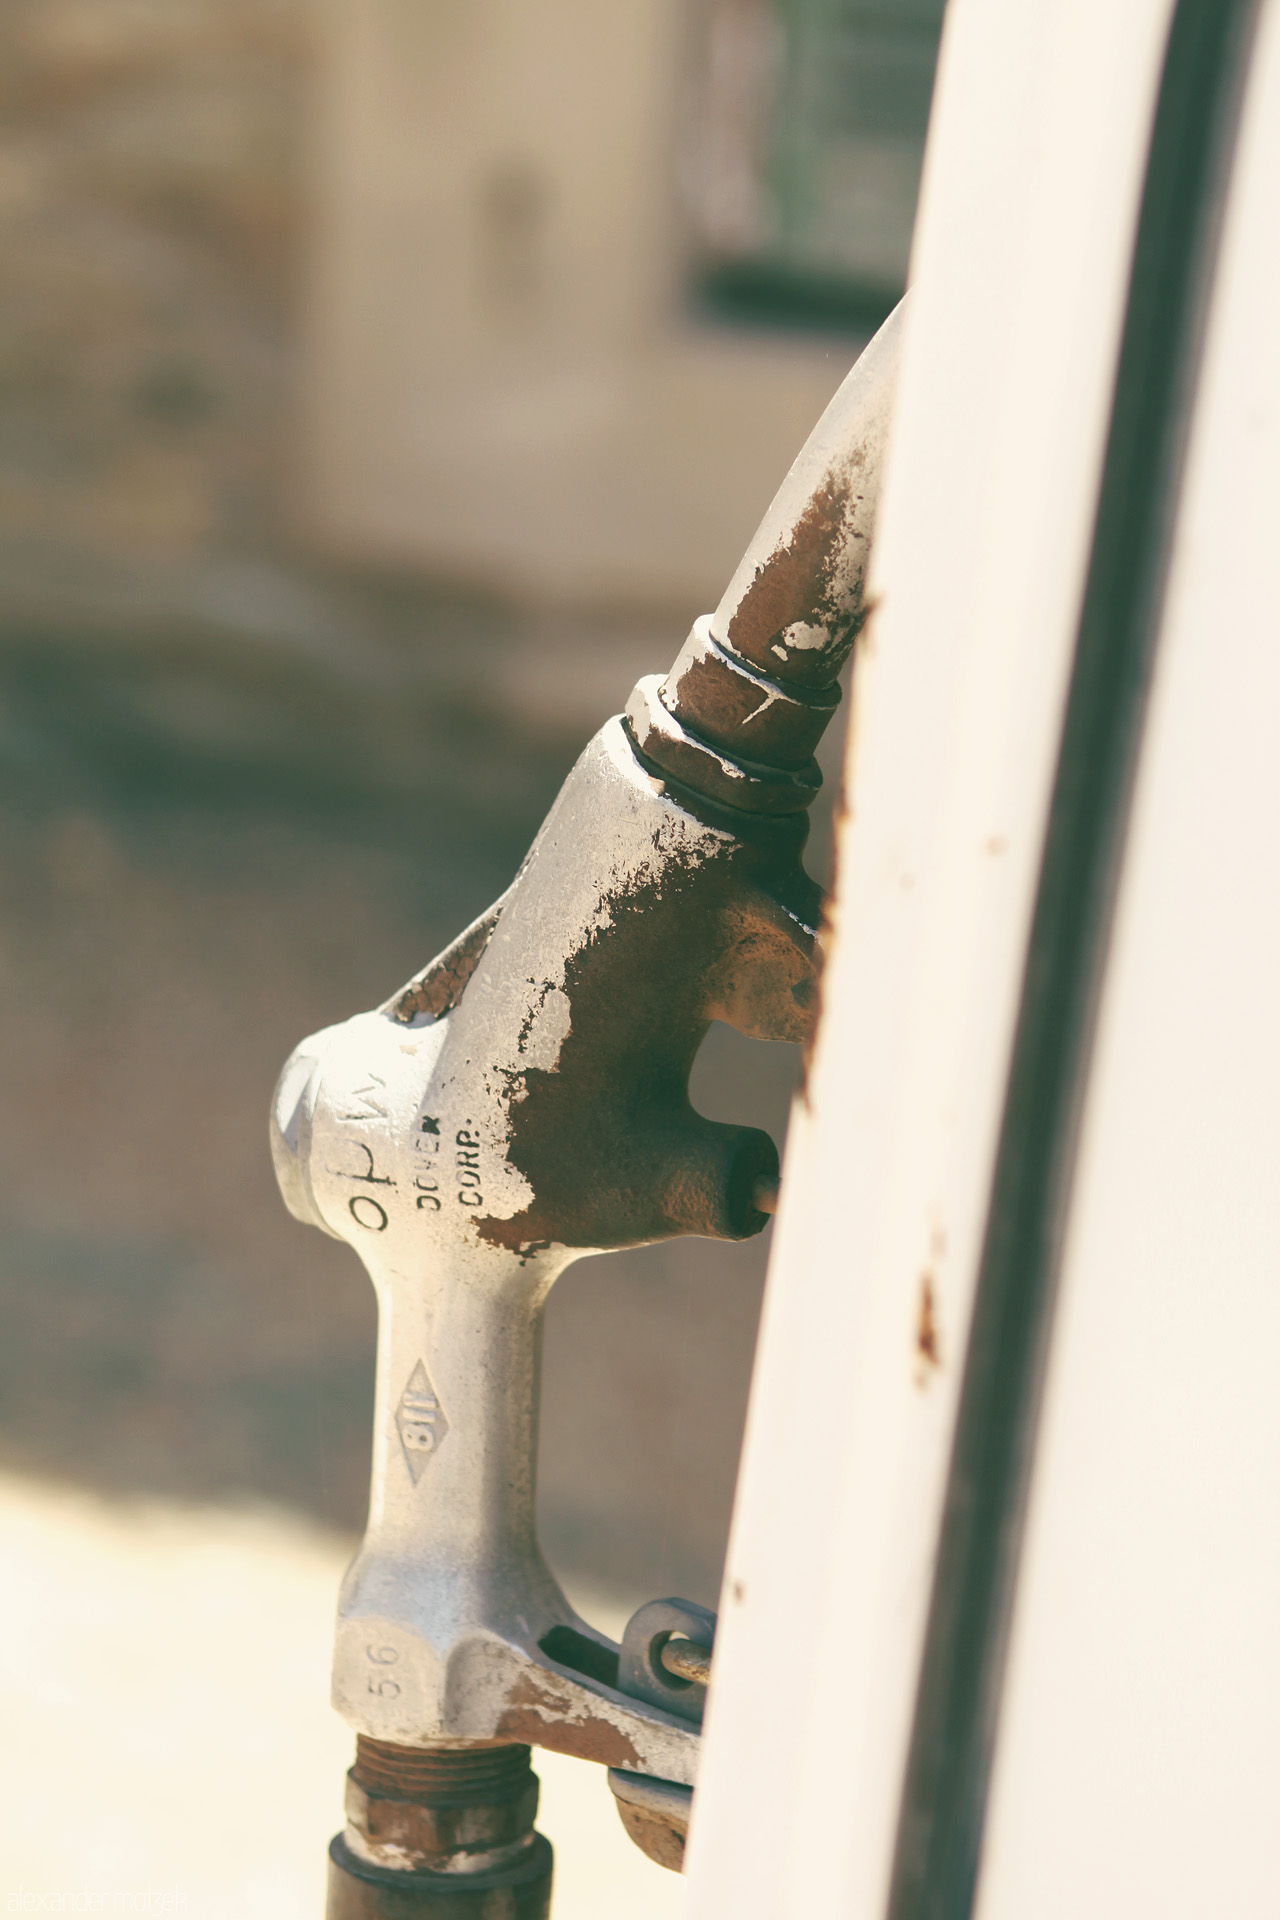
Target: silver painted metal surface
{"x": 524, "y": 1101}
{"x": 393, "y": 1135}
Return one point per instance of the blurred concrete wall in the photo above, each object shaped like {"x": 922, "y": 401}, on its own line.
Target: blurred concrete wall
{"x": 243, "y": 791}
{"x": 468, "y": 216}
{"x": 151, "y": 207}
{"x": 503, "y": 381}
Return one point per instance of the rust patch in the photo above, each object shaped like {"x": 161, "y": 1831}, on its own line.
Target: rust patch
{"x": 659, "y": 1835}
{"x": 485, "y": 1768}
{"x": 799, "y": 582}
{"x": 424, "y": 1807}
{"x": 441, "y": 984}
{"x": 614, "y": 1153}
{"x": 532, "y": 1717}
{"x": 927, "y": 1346}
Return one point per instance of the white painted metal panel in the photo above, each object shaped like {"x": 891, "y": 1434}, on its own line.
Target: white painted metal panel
{"x": 1137, "y": 1765}
{"x": 1032, "y": 180}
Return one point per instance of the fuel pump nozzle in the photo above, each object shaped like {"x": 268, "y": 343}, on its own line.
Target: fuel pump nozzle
{"x": 524, "y": 1101}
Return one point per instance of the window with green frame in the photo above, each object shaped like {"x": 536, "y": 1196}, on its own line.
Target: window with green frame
{"x": 802, "y": 162}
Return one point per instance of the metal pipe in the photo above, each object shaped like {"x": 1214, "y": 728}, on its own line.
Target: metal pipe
{"x": 685, "y": 1661}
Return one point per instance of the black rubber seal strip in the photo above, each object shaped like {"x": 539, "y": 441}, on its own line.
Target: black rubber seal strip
{"x": 953, "y": 1735}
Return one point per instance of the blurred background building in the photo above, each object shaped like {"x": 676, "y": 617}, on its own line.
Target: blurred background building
{"x": 384, "y": 384}
{"x": 569, "y": 264}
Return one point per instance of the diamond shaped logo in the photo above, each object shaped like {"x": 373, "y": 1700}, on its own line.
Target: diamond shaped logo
{"x": 420, "y": 1420}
